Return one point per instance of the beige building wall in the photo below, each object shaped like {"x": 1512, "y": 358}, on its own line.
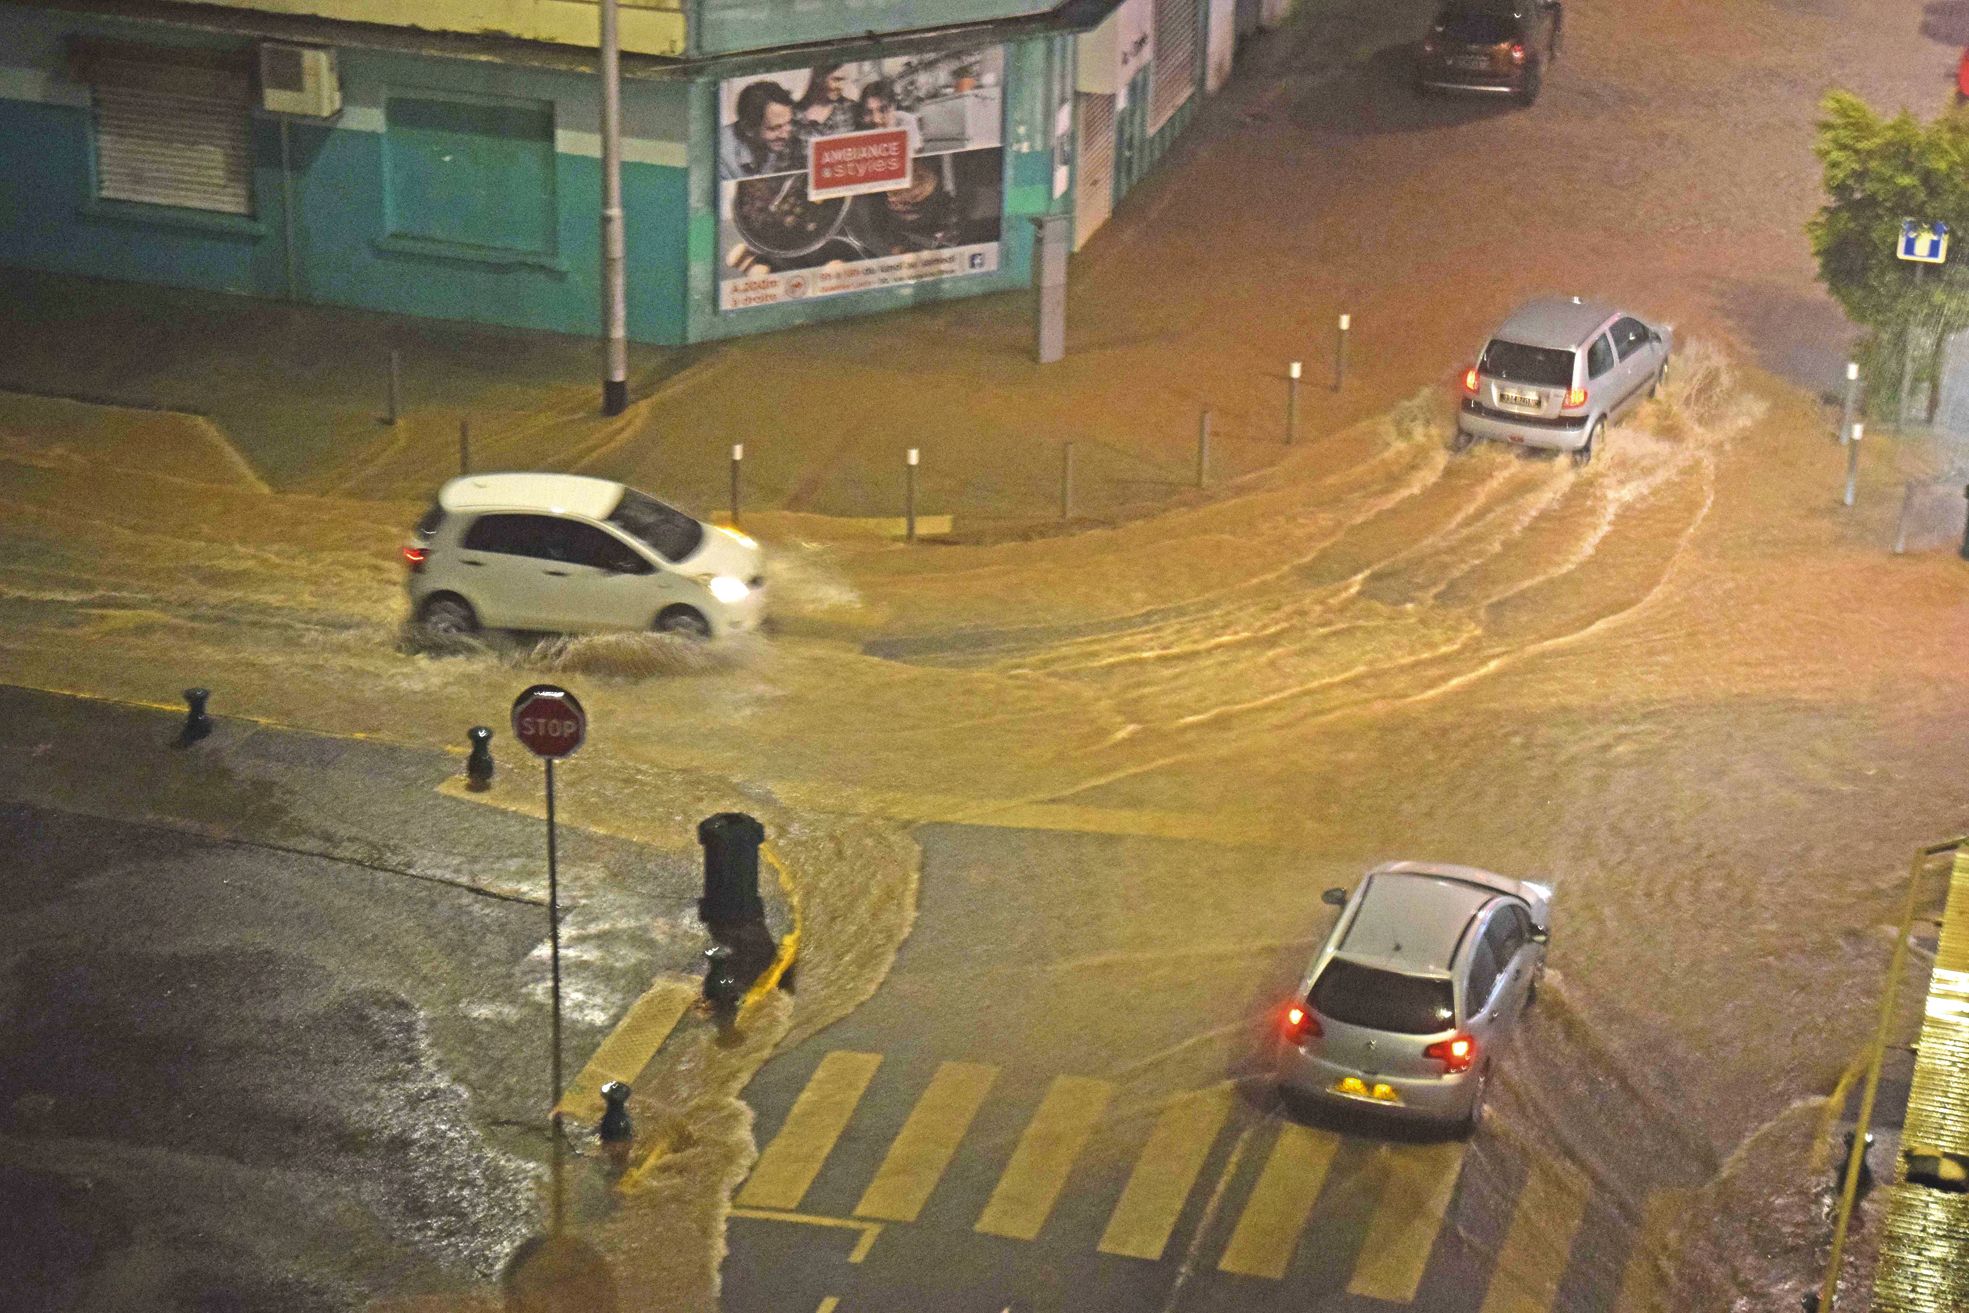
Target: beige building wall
{"x": 649, "y": 27}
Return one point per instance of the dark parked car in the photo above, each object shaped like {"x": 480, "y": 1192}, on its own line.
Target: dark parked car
{"x": 1499, "y": 47}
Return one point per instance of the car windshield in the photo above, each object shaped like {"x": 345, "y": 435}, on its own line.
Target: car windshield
{"x": 1515, "y": 362}
{"x": 1383, "y": 1000}
{"x": 1477, "y": 9}
{"x": 672, "y": 534}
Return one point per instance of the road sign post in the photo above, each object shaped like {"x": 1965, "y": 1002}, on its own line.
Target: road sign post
{"x": 1922, "y": 244}
{"x": 549, "y": 721}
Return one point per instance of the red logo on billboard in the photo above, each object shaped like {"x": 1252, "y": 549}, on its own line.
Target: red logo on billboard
{"x": 850, "y": 163}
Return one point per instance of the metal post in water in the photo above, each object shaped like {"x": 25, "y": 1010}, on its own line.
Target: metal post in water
{"x": 1900, "y": 527}
{"x": 1203, "y": 448}
{"x": 1292, "y": 403}
{"x": 615, "y": 319}
{"x": 909, "y": 497}
{"x": 1853, "y": 459}
{"x": 464, "y": 447}
{"x": 738, "y": 456}
{"x": 1340, "y": 352}
{"x": 1852, "y": 391}
{"x": 1066, "y": 481}
{"x": 554, "y": 938}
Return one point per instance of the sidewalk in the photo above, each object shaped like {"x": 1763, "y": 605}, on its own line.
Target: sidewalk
{"x": 825, "y": 412}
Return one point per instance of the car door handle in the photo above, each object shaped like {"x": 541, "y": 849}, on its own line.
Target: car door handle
{"x": 558, "y": 574}
{"x": 471, "y": 562}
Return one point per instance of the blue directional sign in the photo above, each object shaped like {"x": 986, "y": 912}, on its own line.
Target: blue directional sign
{"x": 1924, "y": 243}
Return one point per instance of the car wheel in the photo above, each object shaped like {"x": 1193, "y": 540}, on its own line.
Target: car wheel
{"x": 1463, "y": 441}
{"x": 1584, "y": 456}
{"x": 1528, "y": 86}
{"x": 1474, "y": 1119}
{"x": 449, "y": 615}
{"x": 1661, "y": 381}
{"x": 684, "y": 621}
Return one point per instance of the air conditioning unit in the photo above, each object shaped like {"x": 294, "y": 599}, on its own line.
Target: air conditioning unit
{"x": 299, "y": 80}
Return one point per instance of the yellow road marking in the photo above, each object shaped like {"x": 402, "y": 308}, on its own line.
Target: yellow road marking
{"x": 869, "y": 1230}
{"x": 1045, "y": 1154}
{"x": 1417, "y": 1182}
{"x": 629, "y": 1047}
{"x": 1643, "y": 1286}
{"x": 1165, "y": 1173}
{"x": 829, "y": 1304}
{"x": 819, "y": 1115}
{"x": 923, "y": 1149}
{"x": 1533, "y": 1259}
{"x": 1268, "y": 1229}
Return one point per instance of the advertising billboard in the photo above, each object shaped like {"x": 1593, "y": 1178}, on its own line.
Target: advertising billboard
{"x": 846, "y": 177}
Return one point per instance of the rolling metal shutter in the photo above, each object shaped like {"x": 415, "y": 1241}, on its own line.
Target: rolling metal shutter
{"x": 171, "y": 132}
{"x": 1093, "y": 190}
{"x": 1175, "y": 58}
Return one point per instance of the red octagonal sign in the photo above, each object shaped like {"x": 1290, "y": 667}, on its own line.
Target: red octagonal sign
{"x": 549, "y": 721}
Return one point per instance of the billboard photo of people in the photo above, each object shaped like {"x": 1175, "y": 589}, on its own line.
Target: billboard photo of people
{"x": 845, "y": 177}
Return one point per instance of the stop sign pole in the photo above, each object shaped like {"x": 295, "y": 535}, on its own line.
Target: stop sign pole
{"x": 550, "y": 722}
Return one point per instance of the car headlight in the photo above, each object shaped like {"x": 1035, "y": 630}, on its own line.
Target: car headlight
{"x": 727, "y": 588}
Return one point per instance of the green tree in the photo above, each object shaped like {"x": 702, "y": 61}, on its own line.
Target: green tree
{"x": 1878, "y": 172}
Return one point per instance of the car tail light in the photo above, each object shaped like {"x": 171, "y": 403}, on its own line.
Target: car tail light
{"x": 1470, "y": 380}
{"x": 415, "y": 557}
{"x": 1301, "y": 1025}
{"x": 1455, "y": 1053}
{"x": 1517, "y": 52}
{"x": 1575, "y": 398}
{"x": 1429, "y": 44}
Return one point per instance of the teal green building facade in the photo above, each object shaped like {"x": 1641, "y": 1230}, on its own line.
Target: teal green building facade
{"x": 459, "y": 177}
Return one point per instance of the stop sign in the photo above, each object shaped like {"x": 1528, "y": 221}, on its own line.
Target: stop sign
{"x": 549, "y": 721}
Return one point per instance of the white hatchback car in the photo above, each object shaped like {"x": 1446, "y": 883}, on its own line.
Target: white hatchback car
{"x": 576, "y": 555}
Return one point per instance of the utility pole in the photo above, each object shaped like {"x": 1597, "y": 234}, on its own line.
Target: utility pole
{"x": 615, "y": 382}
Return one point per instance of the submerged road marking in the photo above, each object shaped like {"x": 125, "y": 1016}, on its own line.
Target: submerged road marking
{"x": 790, "y": 1163}
{"x": 1644, "y": 1282}
{"x": 1165, "y": 1173}
{"x": 629, "y": 1047}
{"x": 1417, "y": 1183}
{"x": 869, "y": 1230}
{"x": 922, "y": 1150}
{"x": 1045, "y": 1154}
{"x": 1268, "y": 1230}
{"x": 1538, "y": 1246}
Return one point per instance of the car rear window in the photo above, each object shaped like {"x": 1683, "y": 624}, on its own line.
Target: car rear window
{"x": 1514, "y": 362}
{"x": 673, "y": 534}
{"x": 1383, "y": 1000}
{"x": 1479, "y": 23}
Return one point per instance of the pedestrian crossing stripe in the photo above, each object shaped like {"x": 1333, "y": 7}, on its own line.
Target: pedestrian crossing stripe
{"x": 1417, "y": 1183}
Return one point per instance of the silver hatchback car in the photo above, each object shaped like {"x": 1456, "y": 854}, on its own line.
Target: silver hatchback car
{"x": 1558, "y": 372}
{"x": 1414, "y": 993}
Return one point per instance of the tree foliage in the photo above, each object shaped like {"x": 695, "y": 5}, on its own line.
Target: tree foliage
{"x": 1878, "y": 172}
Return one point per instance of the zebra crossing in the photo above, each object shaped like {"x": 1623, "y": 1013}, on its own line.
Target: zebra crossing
{"x": 1273, "y": 1188}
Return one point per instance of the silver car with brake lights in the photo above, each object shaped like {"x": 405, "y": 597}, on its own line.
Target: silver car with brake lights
{"x": 1416, "y": 990}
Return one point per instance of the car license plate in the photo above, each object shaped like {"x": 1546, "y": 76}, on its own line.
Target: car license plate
{"x": 1356, "y": 1088}
{"x": 1470, "y": 61}
{"x": 1517, "y": 397}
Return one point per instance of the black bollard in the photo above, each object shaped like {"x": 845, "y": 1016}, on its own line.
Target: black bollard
{"x": 197, "y": 723}
{"x": 478, "y": 766}
{"x": 1865, "y": 1182}
{"x": 615, "y": 1127}
{"x": 1965, "y": 531}
{"x": 731, "y": 871}
{"x": 721, "y": 988}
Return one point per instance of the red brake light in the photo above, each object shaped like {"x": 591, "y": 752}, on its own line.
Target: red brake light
{"x": 1517, "y": 52}
{"x": 1456, "y": 1054}
{"x": 1301, "y": 1025}
{"x": 415, "y": 557}
{"x": 1470, "y": 380}
{"x": 1575, "y": 397}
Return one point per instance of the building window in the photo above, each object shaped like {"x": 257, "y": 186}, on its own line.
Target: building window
{"x": 172, "y": 126}
{"x": 471, "y": 172}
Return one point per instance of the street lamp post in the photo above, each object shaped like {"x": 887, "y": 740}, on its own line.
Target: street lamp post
{"x": 615, "y": 381}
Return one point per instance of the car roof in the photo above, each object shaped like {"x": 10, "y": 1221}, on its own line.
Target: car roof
{"x": 1563, "y": 322}
{"x": 561, "y": 493}
{"x": 1412, "y": 919}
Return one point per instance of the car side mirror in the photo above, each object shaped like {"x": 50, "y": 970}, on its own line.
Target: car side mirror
{"x": 1335, "y": 897}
